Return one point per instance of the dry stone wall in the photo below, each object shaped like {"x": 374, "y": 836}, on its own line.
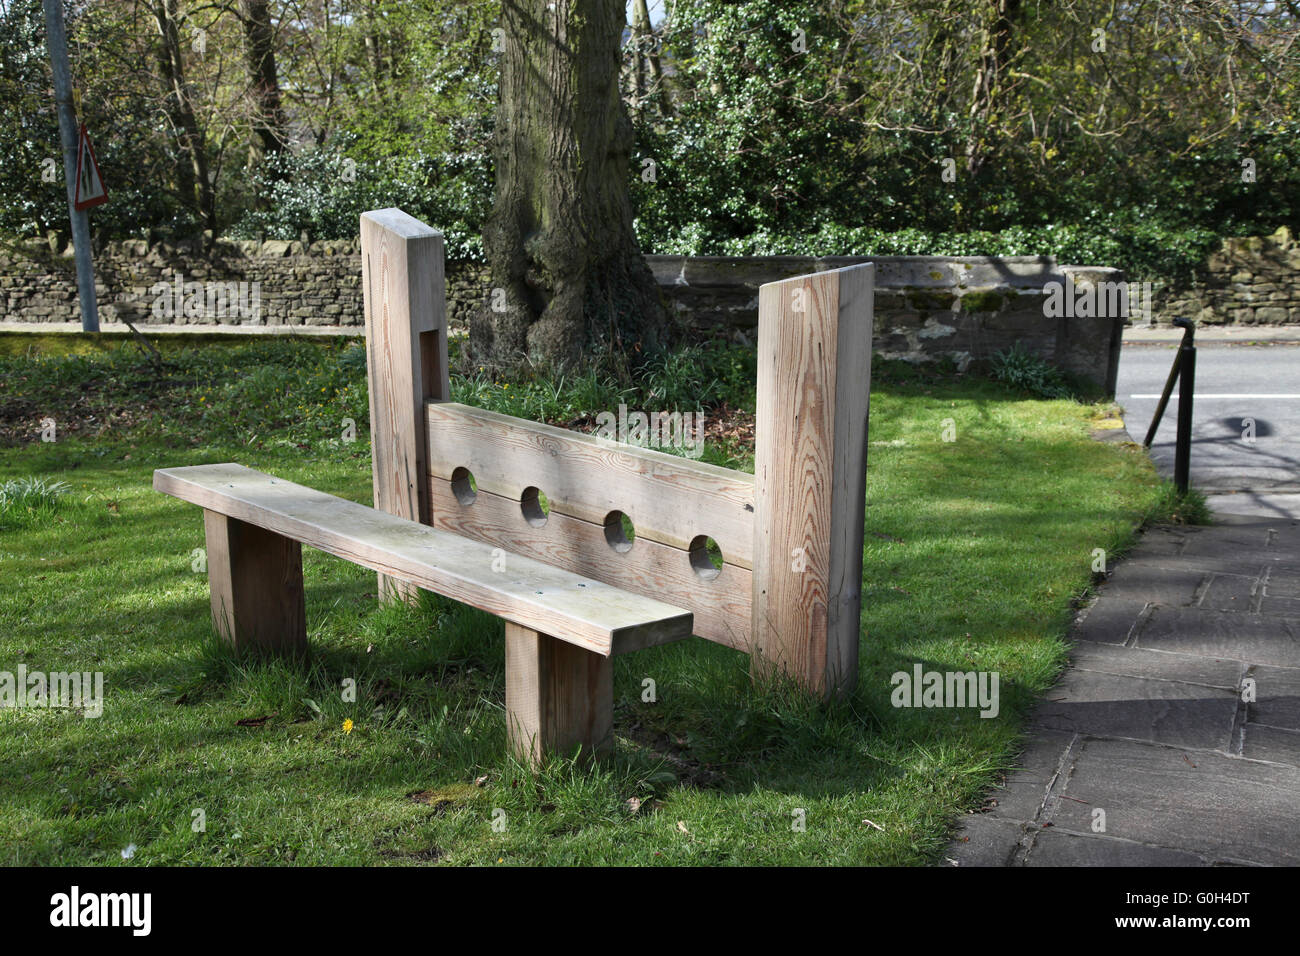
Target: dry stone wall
{"x": 1250, "y": 281}
{"x": 927, "y": 308}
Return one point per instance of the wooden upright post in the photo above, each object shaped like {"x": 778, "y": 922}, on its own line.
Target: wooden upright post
{"x": 406, "y": 358}
{"x": 255, "y": 577}
{"x": 559, "y": 697}
{"x": 810, "y": 460}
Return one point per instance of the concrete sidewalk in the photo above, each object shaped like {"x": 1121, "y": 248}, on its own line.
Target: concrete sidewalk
{"x": 1167, "y": 335}
{"x": 1153, "y": 722}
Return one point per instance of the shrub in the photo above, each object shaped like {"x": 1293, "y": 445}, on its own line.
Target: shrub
{"x": 324, "y": 191}
{"x": 1021, "y": 369}
{"x": 25, "y": 502}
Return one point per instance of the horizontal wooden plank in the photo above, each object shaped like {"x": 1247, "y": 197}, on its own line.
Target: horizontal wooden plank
{"x": 721, "y": 605}
{"x": 582, "y": 611}
{"x": 669, "y": 499}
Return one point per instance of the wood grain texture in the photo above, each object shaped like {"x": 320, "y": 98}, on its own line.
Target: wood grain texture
{"x": 721, "y": 605}
{"x": 814, "y": 370}
{"x": 255, "y": 578}
{"x": 669, "y": 499}
{"x": 579, "y": 610}
{"x": 404, "y": 291}
{"x": 559, "y": 697}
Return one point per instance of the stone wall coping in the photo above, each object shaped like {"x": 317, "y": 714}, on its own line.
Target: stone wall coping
{"x": 892, "y": 272}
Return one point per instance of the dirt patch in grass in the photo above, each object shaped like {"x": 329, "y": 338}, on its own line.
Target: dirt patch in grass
{"x": 94, "y": 407}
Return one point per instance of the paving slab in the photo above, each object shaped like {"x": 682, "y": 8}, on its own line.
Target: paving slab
{"x": 1056, "y": 847}
{"x": 1226, "y": 635}
{"x": 1283, "y": 583}
{"x": 1026, "y": 789}
{"x": 1251, "y": 563}
{"x": 1176, "y": 587}
{"x": 984, "y": 840}
{"x": 1230, "y": 592}
{"x": 1272, "y": 744}
{"x": 1157, "y": 665}
{"x": 1109, "y": 620}
{"x": 1139, "y": 708}
{"x": 1229, "y": 540}
{"x": 1277, "y": 697}
{"x": 1227, "y": 809}
{"x": 1161, "y": 540}
{"x": 1255, "y": 504}
{"x": 1279, "y": 606}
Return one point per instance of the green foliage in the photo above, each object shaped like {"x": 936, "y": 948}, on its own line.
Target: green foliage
{"x": 740, "y": 153}
{"x": 1173, "y": 507}
{"x": 1021, "y": 369}
{"x": 838, "y": 150}
{"x": 25, "y": 502}
{"x": 122, "y": 120}
{"x": 541, "y": 398}
{"x": 261, "y": 391}
{"x": 29, "y": 129}
{"x": 324, "y": 191}
{"x": 676, "y": 380}
{"x": 787, "y": 126}
{"x": 1145, "y": 250}
{"x": 705, "y": 377}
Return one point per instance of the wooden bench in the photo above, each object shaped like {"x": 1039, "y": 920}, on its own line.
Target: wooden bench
{"x": 256, "y": 525}
{"x": 458, "y": 511}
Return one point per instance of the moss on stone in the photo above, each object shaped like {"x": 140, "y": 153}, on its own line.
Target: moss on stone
{"x": 985, "y": 300}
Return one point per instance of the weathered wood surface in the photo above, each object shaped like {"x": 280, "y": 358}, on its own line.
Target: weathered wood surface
{"x": 404, "y": 291}
{"x": 814, "y": 378}
{"x": 669, "y": 499}
{"x": 559, "y": 697}
{"x": 721, "y": 605}
{"x": 578, "y": 610}
{"x": 255, "y": 579}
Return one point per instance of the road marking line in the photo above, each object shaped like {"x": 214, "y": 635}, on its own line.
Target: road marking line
{"x": 1225, "y": 395}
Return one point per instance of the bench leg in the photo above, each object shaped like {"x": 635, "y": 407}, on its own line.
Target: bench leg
{"x": 256, "y": 581}
{"x": 558, "y": 696}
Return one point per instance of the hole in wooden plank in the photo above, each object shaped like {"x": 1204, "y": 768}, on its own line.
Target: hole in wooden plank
{"x": 619, "y": 532}
{"x": 535, "y": 507}
{"x": 706, "y": 557}
{"x": 463, "y": 486}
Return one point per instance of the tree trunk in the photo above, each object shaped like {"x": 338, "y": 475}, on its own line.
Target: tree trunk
{"x": 180, "y": 107}
{"x": 646, "y": 59}
{"x": 987, "y": 98}
{"x": 269, "y": 123}
{"x": 568, "y": 279}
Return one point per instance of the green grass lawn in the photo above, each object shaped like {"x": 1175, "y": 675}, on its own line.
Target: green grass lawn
{"x": 975, "y": 551}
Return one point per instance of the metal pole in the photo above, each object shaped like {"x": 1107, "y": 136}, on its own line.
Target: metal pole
{"x": 58, "y": 43}
{"x": 1164, "y": 399}
{"x": 1188, "y": 331}
{"x": 1187, "y": 385}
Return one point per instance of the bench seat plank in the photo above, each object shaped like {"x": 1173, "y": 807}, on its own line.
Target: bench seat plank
{"x": 529, "y": 593}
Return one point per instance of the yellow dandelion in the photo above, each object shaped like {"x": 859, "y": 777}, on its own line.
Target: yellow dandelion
{"x": 347, "y": 726}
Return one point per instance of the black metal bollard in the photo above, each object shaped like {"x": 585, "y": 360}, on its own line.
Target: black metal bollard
{"x": 1188, "y": 331}
{"x": 1186, "y": 387}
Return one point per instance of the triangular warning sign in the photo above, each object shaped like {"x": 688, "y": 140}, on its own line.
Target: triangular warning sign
{"x": 90, "y": 185}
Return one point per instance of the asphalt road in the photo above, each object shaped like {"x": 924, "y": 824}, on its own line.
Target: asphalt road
{"x": 1233, "y": 383}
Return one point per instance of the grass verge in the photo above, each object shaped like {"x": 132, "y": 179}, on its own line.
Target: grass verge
{"x": 983, "y": 512}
